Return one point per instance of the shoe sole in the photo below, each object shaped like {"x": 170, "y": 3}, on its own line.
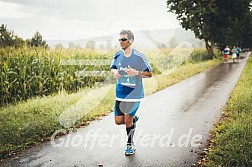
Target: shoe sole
{"x": 129, "y": 154}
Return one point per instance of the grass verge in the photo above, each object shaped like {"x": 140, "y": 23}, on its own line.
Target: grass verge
{"x": 29, "y": 123}
{"x": 231, "y": 141}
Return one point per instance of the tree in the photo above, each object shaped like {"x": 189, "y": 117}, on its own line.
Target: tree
{"x": 8, "y": 38}
{"x": 71, "y": 45}
{"x": 161, "y": 45}
{"x": 217, "y": 22}
{"x": 108, "y": 45}
{"x": 78, "y": 46}
{"x": 234, "y": 22}
{"x": 37, "y": 40}
{"x": 5, "y": 36}
{"x": 198, "y": 16}
{"x": 173, "y": 42}
{"x": 247, "y": 35}
{"x": 90, "y": 44}
{"x": 59, "y": 46}
{"x": 101, "y": 46}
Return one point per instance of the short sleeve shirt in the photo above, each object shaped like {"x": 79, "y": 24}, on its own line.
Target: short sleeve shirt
{"x": 226, "y": 51}
{"x": 129, "y": 88}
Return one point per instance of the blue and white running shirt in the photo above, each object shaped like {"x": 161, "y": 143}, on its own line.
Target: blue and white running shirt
{"x": 130, "y": 88}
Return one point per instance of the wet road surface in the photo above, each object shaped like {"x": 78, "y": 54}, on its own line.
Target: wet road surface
{"x": 172, "y": 130}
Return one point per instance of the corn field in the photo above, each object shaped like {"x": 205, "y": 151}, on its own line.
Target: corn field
{"x": 30, "y": 72}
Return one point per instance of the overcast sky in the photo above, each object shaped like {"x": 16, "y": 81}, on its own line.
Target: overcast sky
{"x": 79, "y": 19}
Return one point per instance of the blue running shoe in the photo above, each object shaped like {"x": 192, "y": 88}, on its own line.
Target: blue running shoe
{"x": 135, "y": 119}
{"x": 130, "y": 149}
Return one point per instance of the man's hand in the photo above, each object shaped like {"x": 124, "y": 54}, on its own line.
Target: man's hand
{"x": 131, "y": 72}
{"x": 116, "y": 73}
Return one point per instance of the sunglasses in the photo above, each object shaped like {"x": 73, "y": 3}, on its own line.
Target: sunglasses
{"x": 123, "y": 39}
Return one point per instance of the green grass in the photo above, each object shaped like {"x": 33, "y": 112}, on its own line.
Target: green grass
{"x": 28, "y": 123}
{"x": 232, "y": 137}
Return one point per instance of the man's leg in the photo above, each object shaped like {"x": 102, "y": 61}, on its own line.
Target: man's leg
{"x": 130, "y": 120}
{"x": 130, "y": 128}
{"x": 125, "y": 114}
{"x": 119, "y": 120}
{"x": 119, "y": 115}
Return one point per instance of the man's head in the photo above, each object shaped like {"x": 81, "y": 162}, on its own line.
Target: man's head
{"x": 126, "y": 38}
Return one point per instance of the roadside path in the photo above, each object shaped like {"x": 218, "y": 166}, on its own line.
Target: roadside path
{"x": 172, "y": 130}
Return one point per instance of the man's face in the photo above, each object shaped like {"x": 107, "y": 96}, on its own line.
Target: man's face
{"x": 124, "y": 41}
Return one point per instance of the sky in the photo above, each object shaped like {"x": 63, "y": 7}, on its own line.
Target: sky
{"x": 80, "y": 19}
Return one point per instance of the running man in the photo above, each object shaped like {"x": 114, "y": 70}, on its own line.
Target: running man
{"x": 226, "y": 53}
{"x": 129, "y": 66}
{"x": 234, "y": 54}
{"x": 238, "y": 51}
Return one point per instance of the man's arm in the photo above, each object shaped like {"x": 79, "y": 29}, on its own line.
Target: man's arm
{"x": 132, "y": 72}
{"x": 115, "y": 73}
{"x": 145, "y": 74}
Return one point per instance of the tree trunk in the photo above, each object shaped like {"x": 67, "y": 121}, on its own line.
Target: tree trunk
{"x": 209, "y": 48}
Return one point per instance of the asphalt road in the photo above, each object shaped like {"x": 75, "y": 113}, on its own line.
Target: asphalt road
{"x": 172, "y": 130}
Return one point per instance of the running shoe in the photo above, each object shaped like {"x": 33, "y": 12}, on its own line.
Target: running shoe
{"x": 130, "y": 149}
